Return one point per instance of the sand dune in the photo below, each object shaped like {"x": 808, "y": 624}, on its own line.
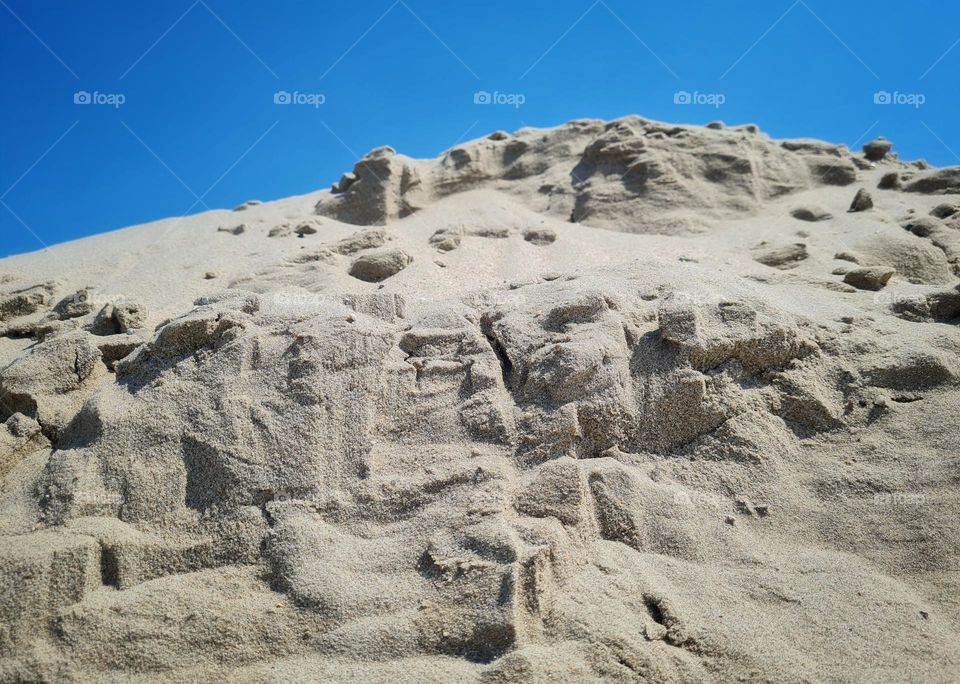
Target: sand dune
{"x": 620, "y": 401}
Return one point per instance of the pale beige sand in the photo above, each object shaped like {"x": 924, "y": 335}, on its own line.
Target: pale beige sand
{"x": 609, "y": 401}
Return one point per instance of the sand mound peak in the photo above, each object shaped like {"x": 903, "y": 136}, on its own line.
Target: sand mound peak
{"x": 630, "y": 174}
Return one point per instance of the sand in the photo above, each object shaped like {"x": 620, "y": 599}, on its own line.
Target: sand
{"x": 618, "y": 401}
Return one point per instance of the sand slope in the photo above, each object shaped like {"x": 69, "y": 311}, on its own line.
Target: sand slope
{"x": 611, "y": 401}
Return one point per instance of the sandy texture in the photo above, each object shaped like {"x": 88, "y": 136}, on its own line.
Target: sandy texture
{"x": 618, "y": 401}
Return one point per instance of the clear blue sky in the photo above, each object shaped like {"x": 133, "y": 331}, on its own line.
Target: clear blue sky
{"x": 198, "y": 80}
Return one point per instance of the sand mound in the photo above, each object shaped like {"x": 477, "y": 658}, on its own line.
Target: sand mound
{"x": 484, "y": 441}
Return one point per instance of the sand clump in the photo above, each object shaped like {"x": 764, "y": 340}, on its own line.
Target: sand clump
{"x": 863, "y": 201}
{"x": 376, "y": 266}
{"x": 641, "y": 425}
{"x": 540, "y": 236}
{"x": 869, "y": 278}
{"x": 783, "y": 257}
{"x": 811, "y": 213}
{"x": 447, "y": 239}
{"x": 877, "y": 149}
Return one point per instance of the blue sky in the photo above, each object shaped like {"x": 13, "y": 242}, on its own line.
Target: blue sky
{"x": 182, "y": 115}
